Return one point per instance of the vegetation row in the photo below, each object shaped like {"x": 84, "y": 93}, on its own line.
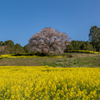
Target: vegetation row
{"x": 51, "y": 40}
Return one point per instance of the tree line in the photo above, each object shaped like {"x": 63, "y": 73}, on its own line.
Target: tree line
{"x": 79, "y": 45}
{"x": 51, "y": 40}
{"x": 8, "y": 47}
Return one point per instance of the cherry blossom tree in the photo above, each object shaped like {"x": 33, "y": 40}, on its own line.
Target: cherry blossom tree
{"x": 49, "y": 40}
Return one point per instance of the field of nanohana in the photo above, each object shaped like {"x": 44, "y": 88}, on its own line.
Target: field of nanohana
{"x": 48, "y": 83}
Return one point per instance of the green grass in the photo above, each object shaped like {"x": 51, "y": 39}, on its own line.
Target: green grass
{"x": 71, "y": 60}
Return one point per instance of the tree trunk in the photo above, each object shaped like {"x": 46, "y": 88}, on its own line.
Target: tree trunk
{"x": 93, "y": 49}
{"x": 99, "y": 50}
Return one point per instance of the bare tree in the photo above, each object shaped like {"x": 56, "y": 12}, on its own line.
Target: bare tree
{"x": 3, "y": 49}
{"x": 49, "y": 40}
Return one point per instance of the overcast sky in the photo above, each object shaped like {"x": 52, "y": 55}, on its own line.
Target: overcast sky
{"x": 20, "y": 19}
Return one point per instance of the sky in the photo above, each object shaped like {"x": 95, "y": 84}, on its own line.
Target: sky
{"x": 21, "y": 19}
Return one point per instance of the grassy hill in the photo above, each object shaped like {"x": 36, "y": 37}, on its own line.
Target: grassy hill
{"x": 70, "y": 60}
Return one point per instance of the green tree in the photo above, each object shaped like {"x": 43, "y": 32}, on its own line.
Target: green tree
{"x": 93, "y": 36}
{"x": 83, "y": 46}
{"x": 69, "y": 48}
{"x": 89, "y": 46}
{"x": 1, "y": 43}
{"x": 9, "y": 43}
{"x": 10, "y": 46}
{"x": 26, "y": 49}
{"x": 19, "y": 49}
{"x": 98, "y": 38}
{"x": 75, "y": 45}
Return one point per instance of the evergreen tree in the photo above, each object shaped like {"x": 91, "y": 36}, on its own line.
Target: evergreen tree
{"x": 83, "y": 46}
{"x": 89, "y": 46}
{"x": 19, "y": 49}
{"x": 9, "y": 46}
{"x": 26, "y": 49}
{"x": 1, "y": 43}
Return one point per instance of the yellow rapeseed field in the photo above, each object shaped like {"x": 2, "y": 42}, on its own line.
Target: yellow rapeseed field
{"x": 48, "y": 83}
{"x": 11, "y": 56}
{"x": 85, "y": 51}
